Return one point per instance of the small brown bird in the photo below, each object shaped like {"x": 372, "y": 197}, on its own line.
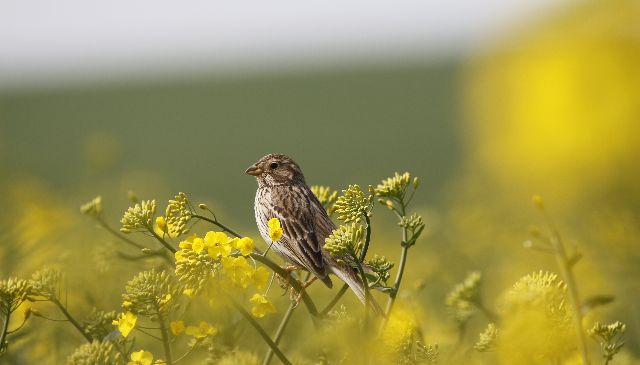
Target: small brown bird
{"x": 284, "y": 194}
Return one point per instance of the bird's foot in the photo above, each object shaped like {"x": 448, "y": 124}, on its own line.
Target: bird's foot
{"x": 296, "y": 297}
{"x": 283, "y": 281}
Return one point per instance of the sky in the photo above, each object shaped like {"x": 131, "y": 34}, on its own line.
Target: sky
{"x": 45, "y": 42}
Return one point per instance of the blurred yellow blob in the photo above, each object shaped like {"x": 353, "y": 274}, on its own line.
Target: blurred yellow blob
{"x": 558, "y": 106}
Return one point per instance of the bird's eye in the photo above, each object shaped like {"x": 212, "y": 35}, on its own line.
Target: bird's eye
{"x": 273, "y": 165}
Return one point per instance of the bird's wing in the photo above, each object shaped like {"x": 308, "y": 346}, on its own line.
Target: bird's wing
{"x": 299, "y": 236}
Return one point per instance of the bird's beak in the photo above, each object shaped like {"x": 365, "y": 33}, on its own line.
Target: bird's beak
{"x": 254, "y": 170}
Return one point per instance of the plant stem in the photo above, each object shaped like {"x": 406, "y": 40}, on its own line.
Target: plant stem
{"x": 335, "y": 300}
{"x": 119, "y": 235}
{"x": 165, "y": 337}
{"x": 279, "y": 333}
{"x": 162, "y": 241}
{"x": 567, "y": 273}
{"x": 401, "y": 266}
{"x": 73, "y": 321}
{"x": 5, "y": 329}
{"x": 215, "y": 221}
{"x": 260, "y": 331}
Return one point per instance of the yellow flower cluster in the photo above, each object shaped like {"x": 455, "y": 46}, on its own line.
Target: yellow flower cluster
{"x": 533, "y": 311}
{"x": 275, "y": 229}
{"x": 353, "y": 204}
{"x": 139, "y": 217}
{"x": 216, "y": 255}
{"x": 216, "y": 244}
{"x": 92, "y": 208}
{"x": 178, "y": 212}
{"x": 345, "y": 241}
{"x": 462, "y": 301}
{"x": 96, "y": 353}
{"x": 394, "y": 186}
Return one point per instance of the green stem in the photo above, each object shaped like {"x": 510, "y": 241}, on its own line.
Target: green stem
{"x": 162, "y": 241}
{"x": 401, "y": 266}
{"x": 165, "y": 337}
{"x": 260, "y": 331}
{"x": 73, "y": 321}
{"x": 5, "y": 329}
{"x": 567, "y": 273}
{"x": 220, "y": 225}
{"x": 279, "y": 332}
{"x": 335, "y": 300}
{"x": 119, "y": 235}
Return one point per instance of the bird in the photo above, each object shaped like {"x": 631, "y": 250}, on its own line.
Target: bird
{"x": 284, "y": 194}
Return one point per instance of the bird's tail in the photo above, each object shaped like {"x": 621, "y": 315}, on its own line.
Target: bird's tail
{"x": 351, "y": 278}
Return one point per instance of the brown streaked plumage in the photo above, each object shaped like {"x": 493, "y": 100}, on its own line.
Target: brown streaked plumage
{"x": 284, "y": 194}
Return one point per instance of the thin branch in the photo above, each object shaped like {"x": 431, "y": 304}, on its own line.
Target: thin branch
{"x": 5, "y": 329}
{"x": 260, "y": 331}
{"x": 73, "y": 321}
{"x": 335, "y": 300}
{"x": 401, "y": 266}
{"x": 279, "y": 332}
{"x": 567, "y": 273}
{"x": 162, "y": 240}
{"x": 217, "y": 223}
{"x": 185, "y": 354}
{"x": 118, "y": 234}
{"x": 148, "y": 334}
{"x": 18, "y": 328}
{"x": 165, "y": 336}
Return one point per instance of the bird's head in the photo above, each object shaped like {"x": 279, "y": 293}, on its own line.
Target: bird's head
{"x": 276, "y": 169}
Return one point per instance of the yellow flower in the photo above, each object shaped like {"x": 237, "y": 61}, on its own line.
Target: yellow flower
{"x": 177, "y": 327}
{"x": 161, "y": 223}
{"x": 275, "y": 230}
{"x": 141, "y": 357}
{"x": 186, "y": 244}
{"x": 125, "y": 323}
{"x": 261, "y": 277}
{"x": 198, "y": 245}
{"x": 218, "y": 244}
{"x": 202, "y": 331}
{"x": 261, "y": 306}
{"x": 238, "y": 270}
{"x": 244, "y": 245}
{"x": 180, "y": 255}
